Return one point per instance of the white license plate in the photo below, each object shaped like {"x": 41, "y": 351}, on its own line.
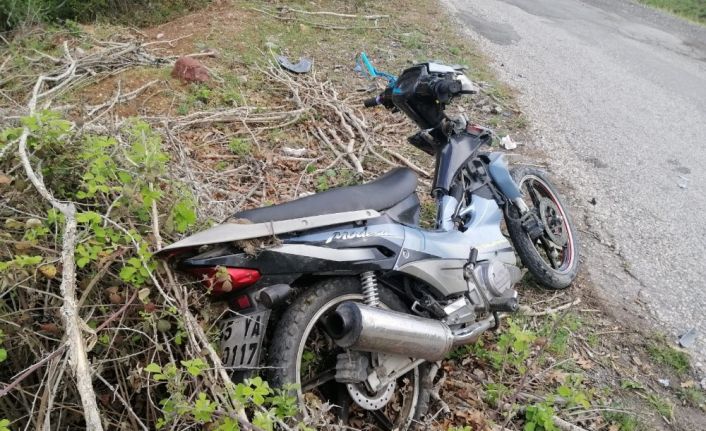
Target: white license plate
{"x": 241, "y": 339}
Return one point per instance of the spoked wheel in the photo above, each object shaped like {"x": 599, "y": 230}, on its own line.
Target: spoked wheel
{"x": 301, "y": 352}
{"x": 553, "y": 257}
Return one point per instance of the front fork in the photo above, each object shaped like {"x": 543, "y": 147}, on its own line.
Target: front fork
{"x": 500, "y": 173}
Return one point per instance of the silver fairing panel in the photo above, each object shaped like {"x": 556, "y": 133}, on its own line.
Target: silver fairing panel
{"x": 445, "y": 272}
{"x": 229, "y": 232}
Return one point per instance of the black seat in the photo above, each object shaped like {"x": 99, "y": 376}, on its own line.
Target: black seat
{"x": 381, "y": 194}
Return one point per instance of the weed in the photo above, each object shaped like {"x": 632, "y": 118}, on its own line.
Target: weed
{"x": 690, "y": 396}
{"x": 624, "y": 421}
{"x": 463, "y": 428}
{"x": 694, "y": 10}
{"x": 661, "y": 405}
{"x": 593, "y": 339}
{"x": 239, "y": 146}
{"x": 538, "y": 417}
{"x": 474, "y": 349}
{"x": 572, "y": 391}
{"x": 413, "y": 40}
{"x": 513, "y": 348}
{"x": 558, "y": 340}
{"x": 201, "y": 93}
{"x": 630, "y": 384}
{"x": 664, "y": 354}
{"x": 494, "y": 392}
{"x": 428, "y": 214}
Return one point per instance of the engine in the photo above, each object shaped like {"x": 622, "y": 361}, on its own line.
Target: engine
{"x": 492, "y": 283}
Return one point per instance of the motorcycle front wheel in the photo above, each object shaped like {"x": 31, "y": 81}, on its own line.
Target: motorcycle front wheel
{"x": 302, "y": 353}
{"x": 553, "y": 258}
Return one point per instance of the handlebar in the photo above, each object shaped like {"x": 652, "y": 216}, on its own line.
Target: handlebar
{"x": 445, "y": 89}
{"x": 441, "y": 89}
{"x": 372, "y": 102}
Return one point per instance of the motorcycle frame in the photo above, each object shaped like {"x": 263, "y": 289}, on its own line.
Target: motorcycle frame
{"x": 388, "y": 242}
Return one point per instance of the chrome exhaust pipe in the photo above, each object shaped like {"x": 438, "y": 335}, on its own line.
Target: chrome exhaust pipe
{"x": 369, "y": 329}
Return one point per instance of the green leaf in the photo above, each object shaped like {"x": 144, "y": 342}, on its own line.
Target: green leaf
{"x": 228, "y": 424}
{"x": 153, "y": 368}
{"x": 88, "y": 217}
{"x": 127, "y": 272}
{"x": 184, "y": 215}
{"x": 3, "y": 355}
{"x": 203, "y": 408}
{"x": 263, "y": 421}
{"x": 4, "y": 425}
{"x": 194, "y": 366}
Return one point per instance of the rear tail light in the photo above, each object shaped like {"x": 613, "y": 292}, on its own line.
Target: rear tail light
{"x": 222, "y": 280}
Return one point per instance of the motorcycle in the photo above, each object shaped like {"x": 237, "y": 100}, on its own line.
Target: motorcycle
{"x": 350, "y": 300}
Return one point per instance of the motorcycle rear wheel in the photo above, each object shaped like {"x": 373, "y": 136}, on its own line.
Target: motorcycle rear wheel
{"x": 301, "y": 353}
{"x": 553, "y": 259}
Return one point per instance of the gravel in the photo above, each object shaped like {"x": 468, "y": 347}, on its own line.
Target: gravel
{"x": 616, "y": 94}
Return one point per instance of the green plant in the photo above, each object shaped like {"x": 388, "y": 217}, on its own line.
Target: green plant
{"x": 692, "y": 9}
{"x": 630, "y": 384}
{"x": 690, "y": 395}
{"x": 664, "y": 354}
{"x": 538, "y": 417}
{"x": 463, "y": 428}
{"x": 513, "y": 348}
{"x": 624, "y": 421}
{"x": 494, "y": 392}
{"x": 4, "y": 425}
{"x": 661, "y": 405}
{"x": 239, "y": 146}
{"x": 572, "y": 391}
{"x": 15, "y": 13}
{"x": 3, "y": 351}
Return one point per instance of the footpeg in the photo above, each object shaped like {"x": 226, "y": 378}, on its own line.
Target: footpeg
{"x": 503, "y": 305}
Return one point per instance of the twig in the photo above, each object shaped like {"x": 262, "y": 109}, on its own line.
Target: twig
{"x": 155, "y": 222}
{"x": 72, "y": 322}
{"x": 408, "y": 162}
{"x": 117, "y": 395}
{"x": 341, "y": 15}
{"x": 527, "y": 311}
{"x": 4, "y": 391}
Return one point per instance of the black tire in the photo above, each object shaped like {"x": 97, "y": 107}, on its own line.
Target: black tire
{"x": 287, "y": 337}
{"x": 539, "y": 266}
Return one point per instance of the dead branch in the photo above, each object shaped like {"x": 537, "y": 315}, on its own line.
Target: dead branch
{"x": 528, "y": 311}
{"x": 340, "y": 15}
{"x": 72, "y": 321}
{"x": 70, "y": 317}
{"x": 408, "y": 163}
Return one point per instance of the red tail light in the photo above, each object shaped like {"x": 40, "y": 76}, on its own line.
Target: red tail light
{"x": 223, "y": 280}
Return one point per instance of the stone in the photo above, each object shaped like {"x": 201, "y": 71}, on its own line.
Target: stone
{"x": 688, "y": 338}
{"x": 190, "y": 70}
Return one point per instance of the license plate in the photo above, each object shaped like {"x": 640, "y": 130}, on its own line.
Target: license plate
{"x": 241, "y": 339}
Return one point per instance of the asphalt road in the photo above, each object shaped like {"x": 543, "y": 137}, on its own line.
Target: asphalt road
{"x": 616, "y": 94}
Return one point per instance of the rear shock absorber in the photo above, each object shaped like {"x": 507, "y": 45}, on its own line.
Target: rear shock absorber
{"x": 370, "y": 288}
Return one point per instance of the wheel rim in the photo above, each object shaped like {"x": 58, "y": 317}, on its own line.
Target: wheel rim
{"x": 546, "y": 205}
{"x": 409, "y": 404}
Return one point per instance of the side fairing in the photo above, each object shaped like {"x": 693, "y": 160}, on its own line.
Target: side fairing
{"x": 445, "y": 252}
{"x": 343, "y": 249}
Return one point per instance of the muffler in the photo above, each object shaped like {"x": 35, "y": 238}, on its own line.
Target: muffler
{"x": 369, "y": 329}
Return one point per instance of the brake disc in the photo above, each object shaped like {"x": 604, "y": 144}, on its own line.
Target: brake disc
{"x": 375, "y": 400}
{"x": 553, "y": 222}
{"x": 360, "y": 395}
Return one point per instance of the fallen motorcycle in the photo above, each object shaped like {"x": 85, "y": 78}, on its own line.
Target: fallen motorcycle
{"x": 350, "y": 299}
